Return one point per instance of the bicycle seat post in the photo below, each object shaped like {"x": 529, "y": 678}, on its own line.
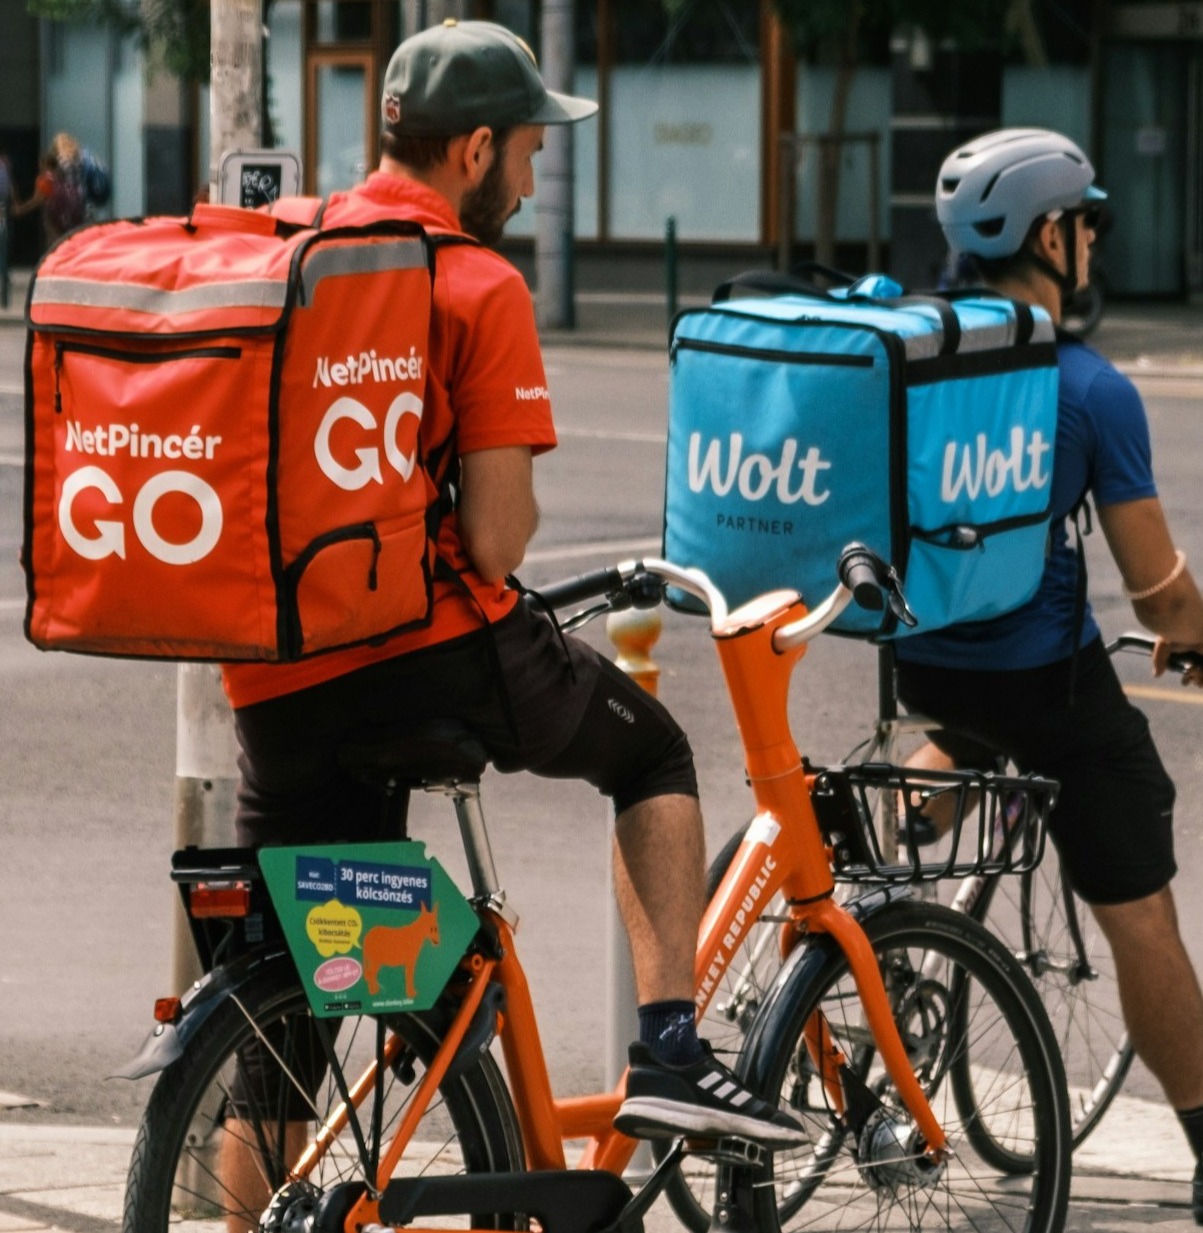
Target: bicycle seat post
{"x": 478, "y": 852}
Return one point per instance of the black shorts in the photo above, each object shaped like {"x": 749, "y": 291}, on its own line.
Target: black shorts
{"x": 1113, "y": 823}
{"x": 538, "y": 702}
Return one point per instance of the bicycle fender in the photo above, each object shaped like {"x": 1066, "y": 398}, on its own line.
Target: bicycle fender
{"x": 167, "y": 1041}
{"x": 769, "y": 1031}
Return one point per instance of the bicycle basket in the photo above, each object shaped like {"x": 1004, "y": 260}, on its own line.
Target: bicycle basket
{"x": 997, "y": 822}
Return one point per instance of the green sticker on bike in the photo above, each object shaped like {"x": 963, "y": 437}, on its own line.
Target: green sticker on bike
{"x": 373, "y": 928}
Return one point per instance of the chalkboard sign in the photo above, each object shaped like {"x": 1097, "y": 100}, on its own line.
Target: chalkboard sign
{"x": 254, "y": 178}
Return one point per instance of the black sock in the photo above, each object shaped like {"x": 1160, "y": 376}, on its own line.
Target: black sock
{"x": 669, "y": 1031}
{"x": 1192, "y": 1123}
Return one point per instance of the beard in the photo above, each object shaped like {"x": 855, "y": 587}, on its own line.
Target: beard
{"x": 485, "y": 210}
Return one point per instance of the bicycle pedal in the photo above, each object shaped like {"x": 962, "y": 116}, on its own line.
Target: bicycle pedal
{"x": 731, "y": 1150}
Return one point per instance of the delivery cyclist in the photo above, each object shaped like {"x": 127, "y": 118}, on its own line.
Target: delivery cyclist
{"x": 1036, "y": 685}
{"x": 464, "y": 111}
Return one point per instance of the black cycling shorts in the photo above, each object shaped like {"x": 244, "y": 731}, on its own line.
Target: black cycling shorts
{"x": 537, "y": 701}
{"x": 1113, "y": 822}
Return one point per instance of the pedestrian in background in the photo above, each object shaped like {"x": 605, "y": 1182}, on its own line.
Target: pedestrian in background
{"x": 8, "y": 205}
{"x": 58, "y": 194}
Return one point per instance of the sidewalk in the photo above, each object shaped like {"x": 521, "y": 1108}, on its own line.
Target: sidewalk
{"x": 1152, "y": 340}
{"x": 1134, "y": 1171}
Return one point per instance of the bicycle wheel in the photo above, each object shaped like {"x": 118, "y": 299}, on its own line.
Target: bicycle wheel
{"x": 743, "y": 988}
{"x": 1056, "y": 939}
{"x": 228, "y": 1118}
{"x": 956, "y": 992}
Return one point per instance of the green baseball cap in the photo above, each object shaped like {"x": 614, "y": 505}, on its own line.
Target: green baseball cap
{"x": 461, "y": 75}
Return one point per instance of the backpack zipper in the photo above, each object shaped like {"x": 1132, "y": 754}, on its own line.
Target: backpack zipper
{"x": 772, "y": 353}
{"x": 132, "y": 357}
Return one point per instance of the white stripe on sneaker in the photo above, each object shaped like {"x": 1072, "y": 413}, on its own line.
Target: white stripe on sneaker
{"x": 710, "y": 1080}
{"x": 741, "y": 1100}
{"x": 722, "y": 1093}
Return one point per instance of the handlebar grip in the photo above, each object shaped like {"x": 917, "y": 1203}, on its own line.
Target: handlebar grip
{"x": 858, "y": 572}
{"x": 1179, "y": 661}
{"x": 582, "y": 587}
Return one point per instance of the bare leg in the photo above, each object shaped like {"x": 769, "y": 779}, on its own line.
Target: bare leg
{"x": 660, "y": 884}
{"x": 1159, "y": 993}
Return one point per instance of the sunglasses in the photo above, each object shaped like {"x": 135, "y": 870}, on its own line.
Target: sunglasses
{"x": 1091, "y": 216}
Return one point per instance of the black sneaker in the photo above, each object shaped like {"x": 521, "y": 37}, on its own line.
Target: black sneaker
{"x": 1196, "y": 1193}
{"x": 701, "y": 1100}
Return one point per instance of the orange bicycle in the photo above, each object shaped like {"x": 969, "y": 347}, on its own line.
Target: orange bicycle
{"x": 378, "y": 1119}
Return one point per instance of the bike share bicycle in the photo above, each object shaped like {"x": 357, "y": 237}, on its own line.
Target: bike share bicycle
{"x": 881, "y": 1004}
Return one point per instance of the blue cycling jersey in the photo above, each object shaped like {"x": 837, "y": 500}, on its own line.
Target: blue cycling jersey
{"x": 1102, "y": 450}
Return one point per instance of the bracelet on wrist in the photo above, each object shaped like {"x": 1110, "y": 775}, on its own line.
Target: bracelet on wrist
{"x": 1171, "y": 577}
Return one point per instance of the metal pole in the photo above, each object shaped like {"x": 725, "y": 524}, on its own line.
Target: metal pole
{"x": 634, "y": 632}
{"x": 787, "y": 170}
{"x": 554, "y": 304}
{"x": 206, "y": 775}
{"x": 874, "y": 205}
{"x": 670, "y": 271}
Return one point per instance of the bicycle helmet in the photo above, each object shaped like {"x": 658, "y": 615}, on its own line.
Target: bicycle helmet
{"x": 991, "y": 189}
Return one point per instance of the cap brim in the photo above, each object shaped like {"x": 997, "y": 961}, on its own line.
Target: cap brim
{"x": 563, "y": 109}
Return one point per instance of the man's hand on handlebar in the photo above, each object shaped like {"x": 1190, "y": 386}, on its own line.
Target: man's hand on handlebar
{"x": 1179, "y": 657}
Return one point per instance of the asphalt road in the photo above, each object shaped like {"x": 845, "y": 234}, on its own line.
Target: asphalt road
{"x": 87, "y": 756}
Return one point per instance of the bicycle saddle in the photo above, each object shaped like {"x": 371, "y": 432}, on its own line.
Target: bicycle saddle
{"x": 438, "y": 751}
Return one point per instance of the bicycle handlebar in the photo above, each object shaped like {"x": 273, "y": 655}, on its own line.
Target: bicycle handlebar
{"x": 865, "y": 579}
{"x": 1180, "y": 661}
{"x": 582, "y": 587}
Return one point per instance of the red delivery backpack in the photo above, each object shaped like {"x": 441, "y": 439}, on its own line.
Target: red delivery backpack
{"x": 222, "y": 456}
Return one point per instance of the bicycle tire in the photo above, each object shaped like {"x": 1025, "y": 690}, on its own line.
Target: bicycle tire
{"x": 192, "y": 1117}
{"x": 952, "y": 984}
{"x": 1055, "y": 937}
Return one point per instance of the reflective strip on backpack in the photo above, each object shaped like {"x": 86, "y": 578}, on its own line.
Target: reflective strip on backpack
{"x": 407, "y": 254}
{"x": 85, "y": 293}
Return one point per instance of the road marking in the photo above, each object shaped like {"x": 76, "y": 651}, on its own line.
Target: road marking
{"x": 15, "y": 390}
{"x": 606, "y": 548}
{"x": 12, "y": 605}
{"x": 11, "y": 460}
{"x": 1195, "y": 698}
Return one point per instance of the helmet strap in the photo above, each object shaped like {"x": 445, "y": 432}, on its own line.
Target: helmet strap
{"x": 1067, "y": 282}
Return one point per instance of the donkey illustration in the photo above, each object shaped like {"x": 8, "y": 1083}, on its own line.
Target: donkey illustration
{"x": 398, "y": 946}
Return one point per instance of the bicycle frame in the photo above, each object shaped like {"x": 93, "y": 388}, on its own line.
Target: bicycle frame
{"x": 784, "y": 852}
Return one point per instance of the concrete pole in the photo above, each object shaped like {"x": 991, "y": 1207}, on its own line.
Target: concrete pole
{"x": 205, "y": 772}
{"x": 554, "y": 304}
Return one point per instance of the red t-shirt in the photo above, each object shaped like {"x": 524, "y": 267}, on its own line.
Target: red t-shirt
{"x": 485, "y": 377}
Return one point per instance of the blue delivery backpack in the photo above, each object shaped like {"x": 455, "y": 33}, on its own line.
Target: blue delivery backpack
{"x": 921, "y": 426}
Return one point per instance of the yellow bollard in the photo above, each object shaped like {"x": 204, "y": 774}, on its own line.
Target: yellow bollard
{"x": 634, "y": 632}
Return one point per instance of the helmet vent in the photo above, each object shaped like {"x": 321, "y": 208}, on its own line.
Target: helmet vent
{"x": 990, "y": 227}
{"x": 990, "y": 186}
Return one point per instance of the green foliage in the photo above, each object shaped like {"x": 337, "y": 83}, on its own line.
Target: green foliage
{"x": 174, "y": 33}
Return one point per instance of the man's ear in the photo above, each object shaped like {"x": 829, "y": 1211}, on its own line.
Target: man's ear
{"x": 476, "y": 154}
{"x": 1050, "y": 240}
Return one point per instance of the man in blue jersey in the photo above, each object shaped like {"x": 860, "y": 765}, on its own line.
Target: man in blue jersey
{"x": 1036, "y": 685}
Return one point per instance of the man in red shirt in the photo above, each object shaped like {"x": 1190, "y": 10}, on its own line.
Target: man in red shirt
{"x": 464, "y": 111}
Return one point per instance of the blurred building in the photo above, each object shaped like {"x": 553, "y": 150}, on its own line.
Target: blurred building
{"x": 708, "y": 118}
